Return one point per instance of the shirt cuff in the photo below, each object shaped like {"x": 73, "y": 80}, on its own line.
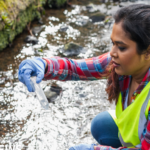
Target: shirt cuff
{"x": 97, "y": 148}
{"x": 49, "y": 69}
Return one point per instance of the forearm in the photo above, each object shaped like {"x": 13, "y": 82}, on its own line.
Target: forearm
{"x": 70, "y": 69}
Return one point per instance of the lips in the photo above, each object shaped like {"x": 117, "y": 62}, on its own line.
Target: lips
{"x": 115, "y": 64}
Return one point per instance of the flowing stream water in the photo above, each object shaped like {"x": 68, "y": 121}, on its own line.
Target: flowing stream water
{"x": 23, "y": 124}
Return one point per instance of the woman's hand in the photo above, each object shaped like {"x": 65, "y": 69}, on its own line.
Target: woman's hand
{"x": 31, "y": 67}
{"x": 83, "y": 147}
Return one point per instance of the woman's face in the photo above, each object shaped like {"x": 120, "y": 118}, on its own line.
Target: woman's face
{"x": 124, "y": 54}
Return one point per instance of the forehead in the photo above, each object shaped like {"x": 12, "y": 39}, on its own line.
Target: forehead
{"x": 118, "y": 34}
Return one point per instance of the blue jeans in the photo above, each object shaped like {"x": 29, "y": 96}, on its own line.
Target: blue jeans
{"x": 105, "y": 130}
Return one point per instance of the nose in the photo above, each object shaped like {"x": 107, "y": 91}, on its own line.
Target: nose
{"x": 113, "y": 52}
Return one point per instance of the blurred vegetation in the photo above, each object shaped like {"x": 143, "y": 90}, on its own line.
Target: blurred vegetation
{"x": 16, "y": 14}
{"x": 56, "y": 3}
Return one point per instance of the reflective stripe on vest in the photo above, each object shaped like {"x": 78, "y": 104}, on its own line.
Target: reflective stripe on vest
{"x": 143, "y": 120}
{"x": 142, "y": 123}
{"x": 124, "y": 143}
{"x": 132, "y": 121}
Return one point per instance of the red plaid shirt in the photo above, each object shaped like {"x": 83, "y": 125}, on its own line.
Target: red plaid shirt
{"x": 92, "y": 69}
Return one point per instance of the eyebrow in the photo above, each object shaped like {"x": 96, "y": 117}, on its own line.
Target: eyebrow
{"x": 119, "y": 42}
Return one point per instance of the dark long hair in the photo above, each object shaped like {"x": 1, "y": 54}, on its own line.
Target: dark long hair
{"x": 136, "y": 23}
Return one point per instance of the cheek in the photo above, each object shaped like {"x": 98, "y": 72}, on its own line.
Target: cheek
{"x": 128, "y": 61}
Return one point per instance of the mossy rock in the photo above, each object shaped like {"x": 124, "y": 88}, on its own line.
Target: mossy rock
{"x": 37, "y": 30}
{"x": 4, "y": 39}
{"x": 31, "y": 39}
{"x": 9, "y": 31}
{"x": 16, "y": 14}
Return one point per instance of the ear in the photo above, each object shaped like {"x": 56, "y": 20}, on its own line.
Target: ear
{"x": 147, "y": 54}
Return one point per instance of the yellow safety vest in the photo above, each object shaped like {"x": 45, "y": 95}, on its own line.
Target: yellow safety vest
{"x": 132, "y": 121}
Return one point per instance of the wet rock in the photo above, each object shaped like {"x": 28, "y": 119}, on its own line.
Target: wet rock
{"x": 90, "y": 8}
{"x": 82, "y": 95}
{"x": 56, "y": 89}
{"x": 2, "y": 81}
{"x": 63, "y": 28}
{"x": 77, "y": 88}
{"x": 79, "y": 103}
{"x": 36, "y": 30}
{"x": 51, "y": 96}
{"x": 82, "y": 21}
{"x": 52, "y": 92}
{"x": 97, "y": 17}
{"x": 31, "y": 39}
{"x": 72, "y": 49}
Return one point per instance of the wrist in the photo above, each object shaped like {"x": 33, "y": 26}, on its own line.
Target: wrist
{"x": 46, "y": 66}
{"x": 96, "y": 148}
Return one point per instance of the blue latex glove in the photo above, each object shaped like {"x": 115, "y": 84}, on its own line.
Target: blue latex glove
{"x": 83, "y": 147}
{"x": 31, "y": 67}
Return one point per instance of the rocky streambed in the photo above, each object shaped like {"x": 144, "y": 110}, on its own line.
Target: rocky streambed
{"x": 78, "y": 32}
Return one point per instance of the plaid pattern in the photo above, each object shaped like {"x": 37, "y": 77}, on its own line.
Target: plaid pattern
{"x": 92, "y": 69}
{"x": 68, "y": 69}
{"x": 124, "y": 82}
{"x": 145, "y": 140}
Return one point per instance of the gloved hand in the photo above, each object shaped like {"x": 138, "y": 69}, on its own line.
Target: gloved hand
{"x": 83, "y": 147}
{"x": 31, "y": 67}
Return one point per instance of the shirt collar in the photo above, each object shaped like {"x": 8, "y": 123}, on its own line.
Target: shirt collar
{"x": 124, "y": 83}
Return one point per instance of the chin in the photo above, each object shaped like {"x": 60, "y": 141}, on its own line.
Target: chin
{"x": 119, "y": 72}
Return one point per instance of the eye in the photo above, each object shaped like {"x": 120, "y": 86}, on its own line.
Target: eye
{"x": 122, "y": 48}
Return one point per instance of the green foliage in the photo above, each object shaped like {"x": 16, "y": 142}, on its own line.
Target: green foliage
{"x": 56, "y": 3}
{"x": 40, "y": 50}
{"x": 6, "y": 19}
{"x": 3, "y": 6}
{"x": 60, "y": 3}
{"x": 5, "y": 13}
{"x": 9, "y": 32}
{"x": 3, "y": 41}
{"x": 49, "y": 3}
{"x": 13, "y": 19}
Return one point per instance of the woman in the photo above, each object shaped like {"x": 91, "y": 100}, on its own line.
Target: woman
{"x": 127, "y": 68}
